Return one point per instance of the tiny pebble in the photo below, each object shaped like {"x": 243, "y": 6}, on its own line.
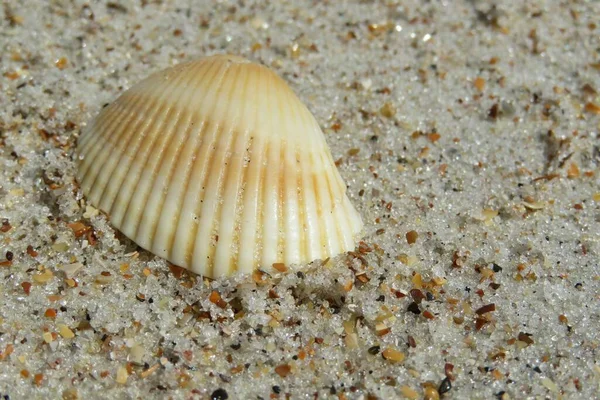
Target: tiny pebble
{"x": 393, "y": 355}
{"x": 414, "y": 308}
{"x": 122, "y": 375}
{"x": 409, "y": 393}
{"x": 219, "y": 394}
{"x": 445, "y": 386}
{"x": 65, "y": 331}
{"x": 411, "y": 237}
{"x": 431, "y": 394}
{"x": 47, "y": 336}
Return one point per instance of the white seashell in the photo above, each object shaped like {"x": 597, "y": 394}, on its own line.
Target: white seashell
{"x": 218, "y": 167}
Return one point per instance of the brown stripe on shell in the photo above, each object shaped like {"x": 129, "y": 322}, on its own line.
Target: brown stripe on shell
{"x": 106, "y": 149}
{"x": 199, "y": 164}
{"x": 160, "y": 142}
{"x": 206, "y": 162}
{"x": 98, "y": 145}
{"x": 229, "y": 175}
{"x": 207, "y": 210}
{"x": 252, "y": 199}
{"x": 291, "y": 227}
{"x": 132, "y": 138}
{"x": 227, "y": 133}
{"x": 176, "y": 147}
{"x": 134, "y": 131}
{"x": 143, "y": 224}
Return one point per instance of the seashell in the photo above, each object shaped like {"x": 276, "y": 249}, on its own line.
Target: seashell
{"x": 217, "y": 166}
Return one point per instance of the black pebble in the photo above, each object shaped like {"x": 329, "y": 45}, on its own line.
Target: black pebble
{"x": 445, "y": 386}
{"x": 374, "y": 350}
{"x": 276, "y": 389}
{"x": 414, "y": 308}
{"x": 219, "y": 394}
{"x": 496, "y": 268}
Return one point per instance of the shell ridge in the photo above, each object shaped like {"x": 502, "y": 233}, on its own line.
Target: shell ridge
{"x": 282, "y": 102}
{"x": 251, "y": 200}
{"x": 266, "y": 211}
{"x": 297, "y": 192}
{"x": 279, "y": 102}
{"x": 343, "y": 229}
{"x": 85, "y": 141}
{"x": 244, "y": 204}
{"x": 85, "y": 164}
{"x": 87, "y": 144}
{"x": 136, "y": 170}
{"x": 332, "y": 226}
{"x": 263, "y": 145}
{"x": 170, "y": 170}
{"x": 107, "y": 150}
{"x": 304, "y": 249}
{"x": 335, "y": 190}
{"x": 161, "y": 140}
{"x": 223, "y": 175}
{"x": 282, "y": 209}
{"x": 96, "y": 145}
{"x": 207, "y": 170}
{"x": 109, "y": 127}
{"x": 148, "y": 191}
{"x": 310, "y": 205}
{"x": 290, "y": 205}
{"x": 125, "y": 161}
{"x": 162, "y": 171}
{"x": 185, "y": 240}
{"x": 206, "y": 230}
{"x": 337, "y": 177}
{"x": 316, "y": 178}
{"x": 262, "y": 211}
{"x": 144, "y": 146}
{"x": 137, "y": 124}
{"x": 242, "y": 178}
{"x": 184, "y": 191}
{"x": 174, "y": 166}
{"x": 355, "y": 222}
{"x": 208, "y": 128}
{"x": 223, "y": 251}
{"x": 271, "y": 210}
{"x": 179, "y": 236}
{"x": 207, "y": 213}
{"x": 104, "y": 113}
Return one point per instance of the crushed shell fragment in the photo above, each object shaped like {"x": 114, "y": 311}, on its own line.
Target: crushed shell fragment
{"x": 218, "y": 167}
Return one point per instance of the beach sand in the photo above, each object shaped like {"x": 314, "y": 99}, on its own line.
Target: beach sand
{"x": 467, "y": 133}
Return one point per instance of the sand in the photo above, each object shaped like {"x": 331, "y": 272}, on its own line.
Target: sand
{"x": 467, "y": 133}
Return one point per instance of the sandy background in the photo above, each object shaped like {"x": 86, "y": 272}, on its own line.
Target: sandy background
{"x": 474, "y": 124}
